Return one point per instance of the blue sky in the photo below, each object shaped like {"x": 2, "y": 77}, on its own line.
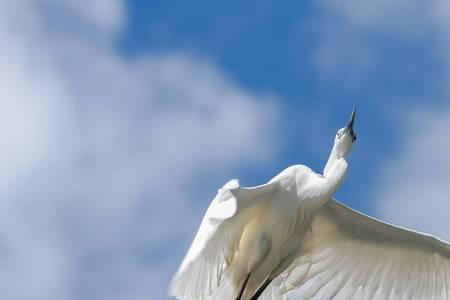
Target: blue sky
{"x": 120, "y": 120}
{"x": 271, "y": 47}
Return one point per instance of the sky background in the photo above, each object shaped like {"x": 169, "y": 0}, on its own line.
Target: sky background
{"x": 120, "y": 120}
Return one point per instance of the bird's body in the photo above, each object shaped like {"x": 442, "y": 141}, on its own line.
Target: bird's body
{"x": 288, "y": 239}
{"x": 274, "y": 230}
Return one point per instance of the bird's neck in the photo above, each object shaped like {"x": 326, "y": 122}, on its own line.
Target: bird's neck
{"x": 335, "y": 171}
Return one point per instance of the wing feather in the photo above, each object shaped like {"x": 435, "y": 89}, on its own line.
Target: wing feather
{"x": 366, "y": 259}
{"x": 204, "y": 265}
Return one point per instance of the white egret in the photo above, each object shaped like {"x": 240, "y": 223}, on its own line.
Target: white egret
{"x": 289, "y": 239}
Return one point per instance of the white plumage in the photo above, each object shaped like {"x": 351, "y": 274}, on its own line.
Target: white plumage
{"x": 289, "y": 239}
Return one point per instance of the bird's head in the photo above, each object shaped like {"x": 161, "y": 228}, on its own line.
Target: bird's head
{"x": 345, "y": 137}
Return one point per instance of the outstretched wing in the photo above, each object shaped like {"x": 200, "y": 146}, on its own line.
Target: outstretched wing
{"x": 348, "y": 255}
{"x": 215, "y": 242}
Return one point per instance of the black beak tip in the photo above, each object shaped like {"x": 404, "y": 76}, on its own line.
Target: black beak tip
{"x": 352, "y": 118}
{"x": 351, "y": 122}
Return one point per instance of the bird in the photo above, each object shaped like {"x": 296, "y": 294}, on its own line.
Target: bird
{"x": 290, "y": 239}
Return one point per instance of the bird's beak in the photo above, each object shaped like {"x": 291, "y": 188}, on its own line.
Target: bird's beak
{"x": 349, "y": 127}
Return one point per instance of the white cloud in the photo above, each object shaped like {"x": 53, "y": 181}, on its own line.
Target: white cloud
{"x": 100, "y": 154}
{"x": 414, "y": 190}
{"x": 351, "y": 35}
{"x": 382, "y": 16}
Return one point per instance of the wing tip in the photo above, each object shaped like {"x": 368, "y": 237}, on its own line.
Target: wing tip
{"x": 230, "y": 185}
{"x": 177, "y": 288}
{"x": 172, "y": 290}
